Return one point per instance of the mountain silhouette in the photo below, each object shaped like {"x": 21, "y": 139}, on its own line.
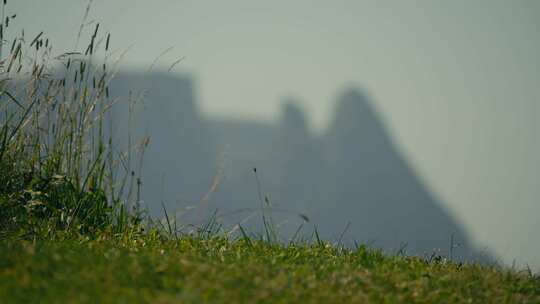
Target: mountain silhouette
{"x": 369, "y": 184}
{"x": 177, "y": 164}
{"x": 352, "y": 176}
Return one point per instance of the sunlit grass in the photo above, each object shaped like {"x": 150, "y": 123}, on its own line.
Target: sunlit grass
{"x": 150, "y": 269}
{"x": 58, "y": 168}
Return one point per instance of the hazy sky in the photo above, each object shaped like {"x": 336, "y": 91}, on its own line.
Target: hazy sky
{"x": 458, "y": 82}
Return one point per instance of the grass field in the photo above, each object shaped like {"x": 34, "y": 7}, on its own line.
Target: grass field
{"x": 148, "y": 269}
{"x": 71, "y": 230}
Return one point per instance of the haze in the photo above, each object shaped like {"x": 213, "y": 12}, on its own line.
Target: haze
{"x": 455, "y": 81}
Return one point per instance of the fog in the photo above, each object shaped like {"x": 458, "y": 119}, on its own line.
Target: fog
{"x": 350, "y": 183}
{"x": 443, "y": 117}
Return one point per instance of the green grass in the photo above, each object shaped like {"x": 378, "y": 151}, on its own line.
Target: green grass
{"x": 59, "y": 169}
{"x": 71, "y": 230}
{"x": 149, "y": 269}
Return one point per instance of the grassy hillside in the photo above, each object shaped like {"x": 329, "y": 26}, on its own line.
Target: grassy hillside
{"x": 148, "y": 269}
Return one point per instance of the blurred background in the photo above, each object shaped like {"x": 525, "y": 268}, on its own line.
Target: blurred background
{"x": 413, "y": 121}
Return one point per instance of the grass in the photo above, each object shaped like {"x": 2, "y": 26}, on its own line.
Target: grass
{"x": 71, "y": 230}
{"x": 150, "y": 269}
{"x": 59, "y": 169}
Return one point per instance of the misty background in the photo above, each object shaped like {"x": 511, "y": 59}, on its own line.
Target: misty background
{"x": 454, "y": 83}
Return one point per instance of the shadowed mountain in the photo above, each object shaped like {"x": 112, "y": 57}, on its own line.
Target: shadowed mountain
{"x": 177, "y": 164}
{"x": 353, "y": 173}
{"x": 371, "y": 186}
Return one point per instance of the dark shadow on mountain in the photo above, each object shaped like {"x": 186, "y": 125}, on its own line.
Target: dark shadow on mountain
{"x": 353, "y": 173}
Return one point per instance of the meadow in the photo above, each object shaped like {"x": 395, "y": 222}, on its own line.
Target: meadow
{"x": 72, "y": 229}
{"x": 148, "y": 268}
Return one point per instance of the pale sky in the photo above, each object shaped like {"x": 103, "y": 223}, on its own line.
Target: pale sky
{"x": 458, "y": 82}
